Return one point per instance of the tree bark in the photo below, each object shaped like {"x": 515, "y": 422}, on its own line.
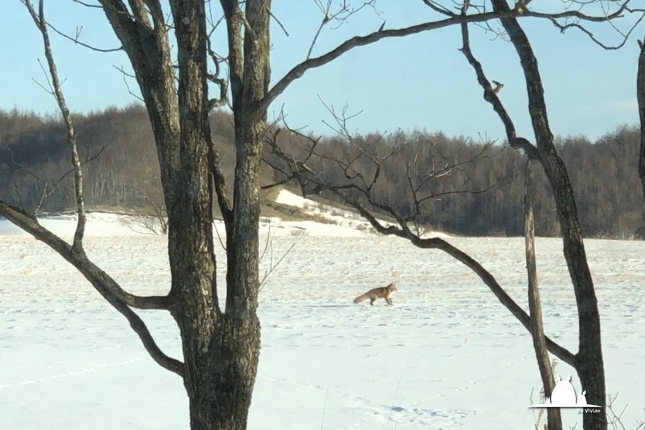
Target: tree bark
{"x": 554, "y": 418}
{"x": 640, "y": 95}
{"x": 221, "y": 349}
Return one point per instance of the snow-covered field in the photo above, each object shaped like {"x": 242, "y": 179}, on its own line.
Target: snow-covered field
{"x": 447, "y": 355}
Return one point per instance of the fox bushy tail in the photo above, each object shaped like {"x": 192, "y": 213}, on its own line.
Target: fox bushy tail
{"x": 362, "y": 297}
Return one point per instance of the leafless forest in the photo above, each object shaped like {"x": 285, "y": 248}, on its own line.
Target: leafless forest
{"x": 482, "y": 197}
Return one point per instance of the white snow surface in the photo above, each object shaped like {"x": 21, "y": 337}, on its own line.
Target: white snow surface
{"x": 446, "y": 355}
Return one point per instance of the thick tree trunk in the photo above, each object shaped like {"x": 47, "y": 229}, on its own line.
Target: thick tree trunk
{"x": 221, "y": 349}
{"x": 220, "y": 384}
{"x": 589, "y": 359}
{"x": 220, "y": 379}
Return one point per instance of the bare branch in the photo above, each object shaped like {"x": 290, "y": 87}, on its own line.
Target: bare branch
{"x": 101, "y": 281}
{"x": 215, "y": 78}
{"x": 624, "y": 7}
{"x": 279, "y": 23}
{"x": 75, "y": 255}
{"x": 125, "y": 80}
{"x": 219, "y": 237}
{"x": 344, "y": 12}
{"x": 310, "y": 63}
{"x": 49, "y": 89}
{"x": 97, "y": 277}
{"x": 452, "y": 19}
{"x": 625, "y": 36}
{"x": 88, "y": 4}
{"x": 437, "y": 7}
{"x": 616, "y": 418}
{"x": 77, "y": 41}
{"x": 488, "y": 279}
{"x": 41, "y": 23}
{"x": 272, "y": 266}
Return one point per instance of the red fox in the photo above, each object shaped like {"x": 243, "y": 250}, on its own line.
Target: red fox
{"x": 375, "y": 293}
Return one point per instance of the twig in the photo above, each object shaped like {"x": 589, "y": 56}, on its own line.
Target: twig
{"x": 272, "y": 266}
{"x": 125, "y": 80}
{"x": 616, "y": 419}
{"x": 396, "y": 392}
{"x": 313, "y": 62}
{"x": 219, "y": 237}
{"x": 322, "y": 420}
{"x": 279, "y": 23}
{"x": 76, "y": 40}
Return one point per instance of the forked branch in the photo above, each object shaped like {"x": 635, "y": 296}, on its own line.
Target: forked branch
{"x": 121, "y": 300}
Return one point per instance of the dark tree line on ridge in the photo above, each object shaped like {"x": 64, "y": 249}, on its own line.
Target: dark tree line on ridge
{"x": 481, "y": 196}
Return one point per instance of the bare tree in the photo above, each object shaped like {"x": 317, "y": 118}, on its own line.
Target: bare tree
{"x": 588, "y": 361}
{"x": 220, "y": 342}
{"x": 154, "y": 219}
{"x": 358, "y": 192}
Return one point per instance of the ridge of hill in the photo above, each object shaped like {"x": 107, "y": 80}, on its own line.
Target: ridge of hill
{"x": 289, "y": 215}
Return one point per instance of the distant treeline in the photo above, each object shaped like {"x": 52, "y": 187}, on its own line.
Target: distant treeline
{"x": 480, "y": 197}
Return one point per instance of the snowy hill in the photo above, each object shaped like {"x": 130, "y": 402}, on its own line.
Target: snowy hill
{"x": 339, "y": 222}
{"x": 337, "y": 217}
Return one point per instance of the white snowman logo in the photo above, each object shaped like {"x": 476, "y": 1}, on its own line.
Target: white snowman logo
{"x": 564, "y": 396}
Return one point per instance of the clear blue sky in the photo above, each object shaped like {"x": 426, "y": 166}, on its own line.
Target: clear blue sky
{"x": 420, "y": 81}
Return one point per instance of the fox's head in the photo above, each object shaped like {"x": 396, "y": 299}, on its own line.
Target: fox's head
{"x": 392, "y": 286}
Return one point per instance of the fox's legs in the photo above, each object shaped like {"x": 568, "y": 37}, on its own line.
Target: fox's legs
{"x": 388, "y": 300}
{"x": 372, "y": 300}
